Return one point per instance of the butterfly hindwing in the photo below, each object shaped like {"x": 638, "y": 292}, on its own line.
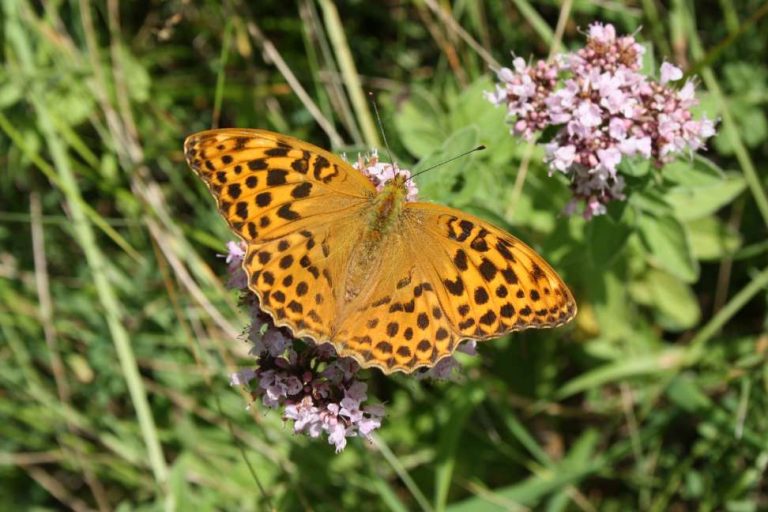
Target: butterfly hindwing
{"x": 296, "y": 276}
{"x": 400, "y": 326}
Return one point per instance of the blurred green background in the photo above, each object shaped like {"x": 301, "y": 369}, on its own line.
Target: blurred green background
{"x": 117, "y": 335}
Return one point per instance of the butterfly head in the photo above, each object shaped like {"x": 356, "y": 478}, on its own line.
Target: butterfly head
{"x": 385, "y": 174}
{"x": 399, "y": 180}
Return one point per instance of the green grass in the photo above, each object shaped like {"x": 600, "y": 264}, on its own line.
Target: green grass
{"x": 117, "y": 335}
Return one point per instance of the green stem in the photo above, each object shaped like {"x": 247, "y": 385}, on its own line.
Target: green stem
{"x": 402, "y": 473}
{"x": 696, "y": 347}
{"x": 349, "y": 72}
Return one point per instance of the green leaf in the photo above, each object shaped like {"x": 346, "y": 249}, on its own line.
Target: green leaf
{"x": 697, "y": 201}
{"x": 605, "y": 239}
{"x": 637, "y": 365}
{"x": 692, "y": 173}
{"x": 448, "y": 181}
{"x": 684, "y": 392}
{"x": 637, "y": 167}
{"x": 10, "y": 94}
{"x": 667, "y": 242}
{"x": 609, "y": 297}
{"x": 471, "y": 108}
{"x": 676, "y": 304}
{"x": 711, "y": 239}
{"x": 698, "y": 187}
{"x": 421, "y": 123}
{"x": 651, "y": 201}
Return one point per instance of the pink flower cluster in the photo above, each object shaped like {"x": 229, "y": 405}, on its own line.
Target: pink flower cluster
{"x": 318, "y": 390}
{"x": 604, "y": 110}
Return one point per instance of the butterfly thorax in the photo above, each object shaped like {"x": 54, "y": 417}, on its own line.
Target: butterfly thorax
{"x": 384, "y": 217}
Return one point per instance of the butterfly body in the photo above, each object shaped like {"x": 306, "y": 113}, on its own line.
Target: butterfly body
{"x": 392, "y": 283}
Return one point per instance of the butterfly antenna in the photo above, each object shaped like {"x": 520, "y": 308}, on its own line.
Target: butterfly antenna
{"x": 478, "y": 148}
{"x": 381, "y": 129}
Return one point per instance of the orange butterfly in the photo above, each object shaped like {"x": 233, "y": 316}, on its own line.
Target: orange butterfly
{"x": 393, "y": 284}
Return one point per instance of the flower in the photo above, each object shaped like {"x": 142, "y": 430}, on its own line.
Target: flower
{"x": 669, "y": 73}
{"x": 234, "y": 259}
{"x": 604, "y": 110}
{"x": 525, "y": 91}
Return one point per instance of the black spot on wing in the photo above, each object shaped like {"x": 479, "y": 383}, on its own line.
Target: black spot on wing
{"x": 258, "y": 164}
{"x": 460, "y": 260}
{"x": 276, "y": 177}
{"x": 455, "y": 287}
{"x": 301, "y": 164}
{"x": 503, "y": 249}
{"x": 264, "y": 199}
{"x": 234, "y": 190}
{"x": 320, "y": 164}
{"x": 278, "y": 151}
{"x": 285, "y": 212}
{"x": 301, "y": 190}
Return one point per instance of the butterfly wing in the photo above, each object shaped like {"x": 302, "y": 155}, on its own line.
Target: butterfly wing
{"x": 488, "y": 282}
{"x": 291, "y": 202}
{"x": 266, "y": 184}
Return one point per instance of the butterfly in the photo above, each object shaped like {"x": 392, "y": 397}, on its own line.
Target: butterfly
{"x": 396, "y": 285}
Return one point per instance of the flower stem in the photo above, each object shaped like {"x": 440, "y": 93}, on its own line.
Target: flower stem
{"x": 349, "y": 72}
{"x": 402, "y": 473}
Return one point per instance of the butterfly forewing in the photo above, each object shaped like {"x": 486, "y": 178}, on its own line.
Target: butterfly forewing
{"x": 267, "y": 185}
{"x": 489, "y": 282}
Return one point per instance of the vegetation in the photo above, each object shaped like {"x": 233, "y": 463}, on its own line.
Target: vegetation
{"x": 118, "y": 336}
